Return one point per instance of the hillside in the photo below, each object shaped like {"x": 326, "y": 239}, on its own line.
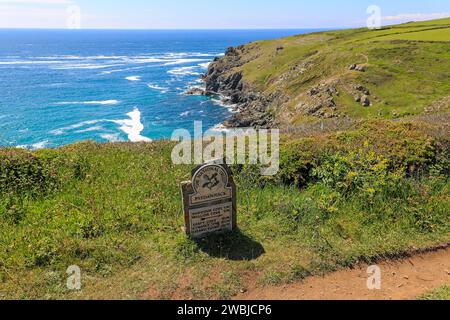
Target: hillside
{"x": 374, "y": 192}
{"x": 393, "y": 72}
{"x": 373, "y": 186}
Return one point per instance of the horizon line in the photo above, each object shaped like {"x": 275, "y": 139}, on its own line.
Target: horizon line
{"x": 177, "y": 29}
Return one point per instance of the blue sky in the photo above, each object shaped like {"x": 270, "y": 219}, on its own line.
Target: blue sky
{"x": 213, "y": 14}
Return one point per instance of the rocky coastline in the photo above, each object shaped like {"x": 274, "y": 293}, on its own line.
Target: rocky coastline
{"x": 223, "y": 81}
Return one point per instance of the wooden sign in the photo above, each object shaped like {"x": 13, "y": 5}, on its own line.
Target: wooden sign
{"x": 209, "y": 200}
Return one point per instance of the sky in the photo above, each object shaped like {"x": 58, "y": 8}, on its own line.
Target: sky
{"x": 211, "y": 14}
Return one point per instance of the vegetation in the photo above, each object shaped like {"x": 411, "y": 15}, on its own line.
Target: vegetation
{"x": 442, "y": 293}
{"x": 406, "y": 70}
{"x": 377, "y": 190}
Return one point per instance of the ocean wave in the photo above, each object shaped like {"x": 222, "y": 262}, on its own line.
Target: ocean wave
{"x": 111, "y": 137}
{"x": 185, "y": 114}
{"x": 205, "y": 65}
{"x": 133, "y": 126}
{"x": 61, "y": 131}
{"x": 133, "y": 78}
{"x": 184, "y": 61}
{"x": 73, "y": 57}
{"x": 121, "y": 70}
{"x": 90, "y": 129}
{"x": 86, "y": 66}
{"x": 23, "y": 62}
{"x": 104, "y": 102}
{"x": 189, "y": 54}
{"x": 184, "y": 71}
{"x": 35, "y": 146}
{"x": 93, "y": 62}
{"x": 157, "y": 87}
{"x": 233, "y": 108}
{"x": 220, "y": 128}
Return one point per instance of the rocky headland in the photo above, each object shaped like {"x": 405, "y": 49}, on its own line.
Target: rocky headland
{"x": 351, "y": 74}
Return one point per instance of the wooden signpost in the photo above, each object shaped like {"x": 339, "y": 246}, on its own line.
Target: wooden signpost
{"x": 209, "y": 200}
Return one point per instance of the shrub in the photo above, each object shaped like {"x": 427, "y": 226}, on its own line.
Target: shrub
{"x": 297, "y": 160}
{"x": 360, "y": 170}
{"x": 25, "y": 173}
{"x": 388, "y": 151}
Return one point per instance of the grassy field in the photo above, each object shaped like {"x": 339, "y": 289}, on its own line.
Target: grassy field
{"x": 407, "y": 69}
{"x": 375, "y": 191}
{"x": 439, "y": 294}
{"x": 442, "y": 34}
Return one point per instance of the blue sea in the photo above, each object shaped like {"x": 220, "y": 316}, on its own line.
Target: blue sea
{"x": 62, "y": 86}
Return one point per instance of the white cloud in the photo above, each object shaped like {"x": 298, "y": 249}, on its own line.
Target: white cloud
{"x": 417, "y": 16}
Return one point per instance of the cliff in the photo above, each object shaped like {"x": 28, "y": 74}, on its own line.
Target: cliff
{"x": 389, "y": 73}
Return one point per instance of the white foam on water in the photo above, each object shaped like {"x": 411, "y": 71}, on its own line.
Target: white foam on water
{"x": 26, "y": 62}
{"x": 90, "y": 129}
{"x": 133, "y": 78}
{"x": 120, "y": 70}
{"x": 111, "y": 137}
{"x": 184, "y": 71}
{"x": 69, "y": 62}
{"x": 39, "y": 145}
{"x": 157, "y": 87}
{"x": 73, "y": 57}
{"x": 180, "y": 55}
{"x": 87, "y": 66}
{"x": 102, "y": 102}
{"x": 133, "y": 126}
{"x": 185, "y": 114}
{"x": 233, "y": 108}
{"x": 205, "y": 65}
{"x": 184, "y": 61}
{"x": 143, "y": 59}
{"x": 219, "y": 129}
{"x": 61, "y": 131}
{"x": 35, "y": 146}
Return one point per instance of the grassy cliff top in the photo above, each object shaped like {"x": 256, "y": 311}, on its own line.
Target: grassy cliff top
{"x": 402, "y": 69}
{"x": 376, "y": 191}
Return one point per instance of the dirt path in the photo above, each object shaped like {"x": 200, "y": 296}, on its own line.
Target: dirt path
{"x": 400, "y": 280}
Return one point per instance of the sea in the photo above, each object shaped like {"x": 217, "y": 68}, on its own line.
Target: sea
{"x": 63, "y": 86}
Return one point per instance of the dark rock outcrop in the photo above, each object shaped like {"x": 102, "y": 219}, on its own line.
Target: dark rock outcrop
{"x": 196, "y": 91}
{"x": 221, "y": 78}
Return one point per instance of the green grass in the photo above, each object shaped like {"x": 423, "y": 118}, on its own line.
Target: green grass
{"x": 442, "y": 34}
{"x": 408, "y": 68}
{"x": 115, "y": 211}
{"x": 442, "y": 293}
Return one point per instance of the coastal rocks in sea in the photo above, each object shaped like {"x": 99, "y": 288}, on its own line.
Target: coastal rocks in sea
{"x": 196, "y": 91}
{"x": 231, "y": 51}
{"x": 221, "y": 78}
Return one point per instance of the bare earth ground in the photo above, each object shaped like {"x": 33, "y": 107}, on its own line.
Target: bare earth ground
{"x": 404, "y": 279}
